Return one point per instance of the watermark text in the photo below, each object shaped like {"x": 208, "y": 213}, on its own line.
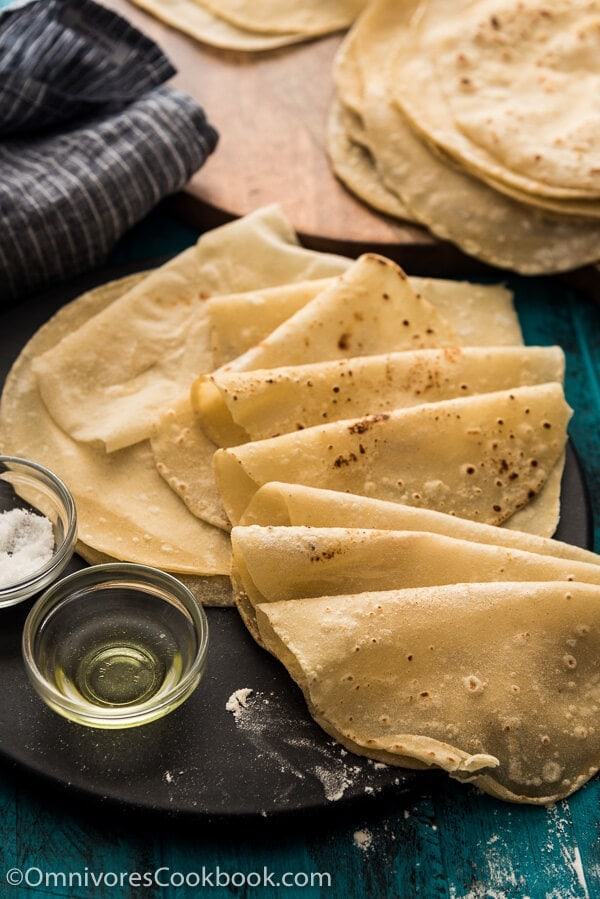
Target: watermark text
{"x": 204, "y": 878}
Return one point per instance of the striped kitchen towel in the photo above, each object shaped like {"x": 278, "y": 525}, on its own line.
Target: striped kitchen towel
{"x": 91, "y": 138}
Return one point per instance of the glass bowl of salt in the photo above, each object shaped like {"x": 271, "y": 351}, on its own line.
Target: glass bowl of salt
{"x": 38, "y": 528}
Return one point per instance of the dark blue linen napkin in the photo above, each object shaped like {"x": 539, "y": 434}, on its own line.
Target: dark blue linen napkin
{"x": 91, "y": 138}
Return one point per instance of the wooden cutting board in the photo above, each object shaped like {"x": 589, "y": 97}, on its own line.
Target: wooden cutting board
{"x": 270, "y": 110}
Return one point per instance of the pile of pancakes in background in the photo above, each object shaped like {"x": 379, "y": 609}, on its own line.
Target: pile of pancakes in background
{"x": 479, "y": 121}
{"x": 476, "y": 120}
{"x": 255, "y": 25}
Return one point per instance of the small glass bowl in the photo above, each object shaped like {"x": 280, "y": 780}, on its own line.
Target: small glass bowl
{"x": 28, "y": 487}
{"x": 115, "y": 645}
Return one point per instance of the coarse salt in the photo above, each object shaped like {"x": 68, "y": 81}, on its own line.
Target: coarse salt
{"x": 26, "y": 544}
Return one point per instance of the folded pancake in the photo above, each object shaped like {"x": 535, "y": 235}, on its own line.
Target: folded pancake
{"x": 295, "y": 504}
{"x": 271, "y": 564}
{"x": 279, "y": 503}
{"x": 496, "y": 453}
{"x": 370, "y": 308}
{"x": 106, "y": 381}
{"x": 235, "y": 407}
{"x": 497, "y": 684}
{"x": 481, "y": 314}
{"x": 125, "y": 509}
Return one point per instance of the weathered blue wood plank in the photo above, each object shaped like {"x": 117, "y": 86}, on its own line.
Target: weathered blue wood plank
{"x": 552, "y": 314}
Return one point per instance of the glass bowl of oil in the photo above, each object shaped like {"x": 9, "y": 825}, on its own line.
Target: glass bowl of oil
{"x": 115, "y": 645}
{"x": 38, "y": 528}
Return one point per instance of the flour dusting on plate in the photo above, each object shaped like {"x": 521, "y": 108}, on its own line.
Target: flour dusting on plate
{"x": 238, "y": 701}
{"x": 292, "y": 745}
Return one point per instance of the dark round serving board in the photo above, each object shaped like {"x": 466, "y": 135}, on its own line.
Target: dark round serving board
{"x": 204, "y": 759}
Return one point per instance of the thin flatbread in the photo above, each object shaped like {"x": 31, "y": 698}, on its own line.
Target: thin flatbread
{"x": 235, "y": 407}
{"x": 272, "y": 564}
{"x": 497, "y": 684}
{"x": 452, "y": 203}
{"x": 519, "y": 82}
{"x": 480, "y": 314}
{"x": 372, "y": 307}
{"x": 497, "y": 452}
{"x": 310, "y": 17}
{"x": 107, "y": 380}
{"x": 295, "y": 504}
{"x": 458, "y": 207}
{"x": 125, "y": 509}
{"x": 197, "y": 21}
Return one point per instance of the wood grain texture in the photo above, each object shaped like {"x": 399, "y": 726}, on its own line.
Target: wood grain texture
{"x": 271, "y": 110}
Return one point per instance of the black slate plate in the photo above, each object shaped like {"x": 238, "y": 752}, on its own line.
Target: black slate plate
{"x": 204, "y": 759}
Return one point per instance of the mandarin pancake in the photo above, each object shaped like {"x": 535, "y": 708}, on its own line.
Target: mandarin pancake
{"x": 277, "y": 504}
{"x": 203, "y": 25}
{"x": 272, "y": 564}
{"x": 235, "y": 407}
{"x": 496, "y": 684}
{"x": 443, "y": 180}
{"x": 499, "y": 450}
{"x": 529, "y": 107}
{"x": 310, "y": 17}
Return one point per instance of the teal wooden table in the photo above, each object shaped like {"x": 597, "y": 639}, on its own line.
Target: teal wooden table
{"x": 448, "y": 841}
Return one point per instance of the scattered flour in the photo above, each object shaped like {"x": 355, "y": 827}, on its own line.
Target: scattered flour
{"x": 363, "y": 839}
{"x": 26, "y": 543}
{"x": 170, "y": 776}
{"x": 335, "y": 783}
{"x": 570, "y": 855}
{"x": 278, "y": 734}
{"x": 579, "y": 870}
{"x": 238, "y": 701}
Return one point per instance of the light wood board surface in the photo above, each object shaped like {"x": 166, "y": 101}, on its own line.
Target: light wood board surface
{"x": 270, "y": 110}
